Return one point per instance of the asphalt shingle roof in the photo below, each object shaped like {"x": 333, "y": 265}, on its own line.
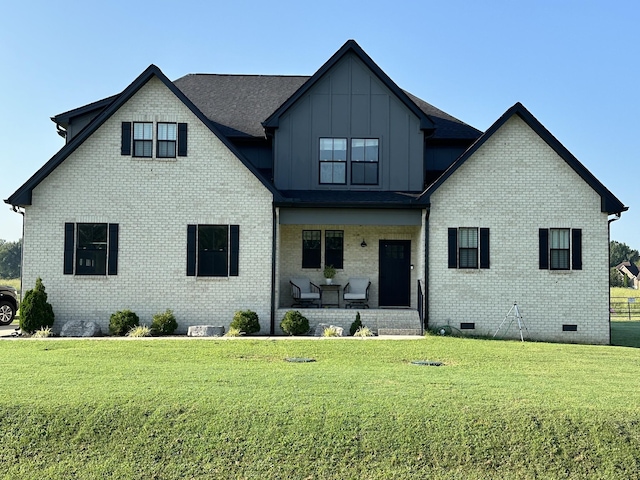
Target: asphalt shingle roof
{"x": 238, "y": 104}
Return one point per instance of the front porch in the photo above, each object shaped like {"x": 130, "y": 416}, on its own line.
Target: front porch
{"x": 392, "y": 321}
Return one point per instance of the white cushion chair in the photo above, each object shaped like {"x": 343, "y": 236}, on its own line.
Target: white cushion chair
{"x": 356, "y": 292}
{"x": 304, "y": 292}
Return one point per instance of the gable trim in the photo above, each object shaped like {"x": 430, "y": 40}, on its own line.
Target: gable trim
{"x": 23, "y": 196}
{"x": 609, "y": 203}
{"x": 350, "y": 46}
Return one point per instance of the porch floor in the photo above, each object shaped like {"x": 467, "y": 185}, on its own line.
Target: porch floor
{"x": 387, "y": 321}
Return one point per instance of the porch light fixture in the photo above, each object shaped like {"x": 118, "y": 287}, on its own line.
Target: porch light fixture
{"x": 363, "y": 244}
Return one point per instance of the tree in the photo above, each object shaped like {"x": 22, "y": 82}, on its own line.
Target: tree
{"x": 621, "y": 252}
{"x": 35, "y": 311}
{"x": 10, "y": 259}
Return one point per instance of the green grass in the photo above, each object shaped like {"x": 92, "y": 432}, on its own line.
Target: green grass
{"x": 234, "y": 409}
{"x": 12, "y": 282}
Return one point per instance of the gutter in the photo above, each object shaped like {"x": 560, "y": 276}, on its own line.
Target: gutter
{"x": 609, "y": 222}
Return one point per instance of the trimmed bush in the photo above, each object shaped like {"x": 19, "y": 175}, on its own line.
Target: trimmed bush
{"x": 164, "y": 323}
{"x": 246, "y": 321}
{"x": 123, "y": 321}
{"x": 294, "y": 323}
{"x": 35, "y": 312}
{"x": 356, "y": 324}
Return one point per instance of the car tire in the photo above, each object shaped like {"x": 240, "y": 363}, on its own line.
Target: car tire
{"x": 7, "y": 312}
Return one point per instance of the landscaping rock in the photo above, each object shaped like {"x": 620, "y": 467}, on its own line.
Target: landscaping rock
{"x": 80, "y": 328}
{"x": 205, "y": 331}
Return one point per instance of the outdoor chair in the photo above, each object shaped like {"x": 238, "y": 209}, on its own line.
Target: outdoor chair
{"x": 356, "y": 292}
{"x": 305, "y": 293}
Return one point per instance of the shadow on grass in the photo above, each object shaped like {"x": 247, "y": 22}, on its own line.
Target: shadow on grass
{"x": 625, "y": 334}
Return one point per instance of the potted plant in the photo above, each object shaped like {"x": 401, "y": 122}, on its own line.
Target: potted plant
{"x": 329, "y": 273}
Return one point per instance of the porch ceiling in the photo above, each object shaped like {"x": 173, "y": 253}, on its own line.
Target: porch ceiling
{"x": 350, "y": 216}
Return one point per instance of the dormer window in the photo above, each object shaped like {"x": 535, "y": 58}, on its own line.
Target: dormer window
{"x": 333, "y": 161}
{"x": 364, "y": 161}
{"x": 363, "y": 158}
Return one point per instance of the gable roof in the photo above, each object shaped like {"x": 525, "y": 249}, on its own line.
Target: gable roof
{"x": 351, "y": 47}
{"x": 609, "y": 203}
{"x": 629, "y": 267}
{"x": 23, "y": 195}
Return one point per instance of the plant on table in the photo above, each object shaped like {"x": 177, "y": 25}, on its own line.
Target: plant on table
{"x": 329, "y": 273}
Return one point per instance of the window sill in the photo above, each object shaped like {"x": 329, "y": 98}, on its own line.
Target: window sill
{"x": 155, "y": 159}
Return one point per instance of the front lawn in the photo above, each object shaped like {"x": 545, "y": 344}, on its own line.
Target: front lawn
{"x": 184, "y": 408}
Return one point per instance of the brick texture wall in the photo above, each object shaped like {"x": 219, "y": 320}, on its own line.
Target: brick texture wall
{"x": 516, "y": 184}
{"x": 153, "y": 201}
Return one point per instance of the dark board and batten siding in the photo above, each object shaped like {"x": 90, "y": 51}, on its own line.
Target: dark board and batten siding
{"x": 349, "y": 102}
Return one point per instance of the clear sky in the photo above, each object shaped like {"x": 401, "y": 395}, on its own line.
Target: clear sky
{"x": 574, "y": 64}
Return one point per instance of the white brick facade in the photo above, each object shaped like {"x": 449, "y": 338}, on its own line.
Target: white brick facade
{"x": 152, "y": 201}
{"x": 515, "y": 184}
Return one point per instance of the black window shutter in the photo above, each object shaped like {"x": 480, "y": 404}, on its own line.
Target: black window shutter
{"x": 544, "y": 248}
{"x": 113, "y": 249}
{"x": 576, "y": 249}
{"x": 69, "y": 229}
{"x": 182, "y": 139}
{"x": 234, "y": 257}
{"x": 453, "y": 248}
{"x": 484, "y": 248}
{"x": 191, "y": 250}
{"x": 126, "y": 139}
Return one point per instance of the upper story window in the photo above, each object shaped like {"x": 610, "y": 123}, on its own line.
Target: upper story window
{"x": 363, "y": 158}
{"x": 333, "y": 161}
{"x": 364, "y": 161}
{"x": 167, "y": 135}
{"x": 142, "y": 139}
{"x": 171, "y": 139}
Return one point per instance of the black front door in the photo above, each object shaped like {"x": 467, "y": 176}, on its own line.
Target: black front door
{"x": 395, "y": 273}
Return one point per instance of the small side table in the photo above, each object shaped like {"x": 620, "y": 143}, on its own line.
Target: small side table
{"x": 330, "y": 288}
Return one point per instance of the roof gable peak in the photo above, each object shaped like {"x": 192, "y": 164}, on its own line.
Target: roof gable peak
{"x": 350, "y": 46}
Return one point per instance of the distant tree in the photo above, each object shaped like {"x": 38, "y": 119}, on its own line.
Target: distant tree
{"x": 621, "y": 252}
{"x": 10, "y": 259}
{"x": 616, "y": 278}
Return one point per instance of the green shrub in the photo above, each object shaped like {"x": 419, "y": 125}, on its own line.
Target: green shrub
{"x": 246, "y": 321}
{"x": 139, "y": 331}
{"x": 35, "y": 311}
{"x": 123, "y": 321}
{"x": 294, "y": 323}
{"x": 164, "y": 323}
{"x": 355, "y": 325}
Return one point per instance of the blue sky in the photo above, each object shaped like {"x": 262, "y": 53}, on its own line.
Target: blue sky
{"x": 573, "y": 64}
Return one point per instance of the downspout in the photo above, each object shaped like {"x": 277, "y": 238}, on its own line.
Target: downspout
{"x": 425, "y": 320}
{"x": 609, "y": 222}
{"x": 272, "y": 325}
{"x": 21, "y": 212}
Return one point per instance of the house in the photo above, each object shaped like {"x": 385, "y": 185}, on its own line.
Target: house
{"x": 631, "y": 272}
{"x": 207, "y": 194}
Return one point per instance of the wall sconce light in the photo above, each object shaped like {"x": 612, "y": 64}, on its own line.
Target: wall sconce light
{"x": 363, "y": 244}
